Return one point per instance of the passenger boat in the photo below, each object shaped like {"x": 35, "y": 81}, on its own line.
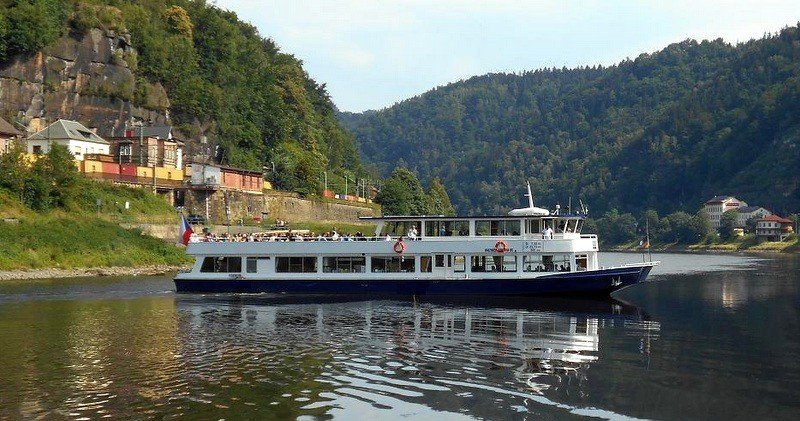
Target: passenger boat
{"x": 529, "y": 251}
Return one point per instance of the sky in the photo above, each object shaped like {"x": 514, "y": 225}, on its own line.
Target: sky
{"x": 372, "y": 54}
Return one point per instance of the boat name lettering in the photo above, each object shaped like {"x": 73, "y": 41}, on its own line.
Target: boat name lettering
{"x": 529, "y": 246}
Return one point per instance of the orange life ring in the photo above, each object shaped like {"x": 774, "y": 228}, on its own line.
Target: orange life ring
{"x": 399, "y": 247}
{"x": 501, "y": 246}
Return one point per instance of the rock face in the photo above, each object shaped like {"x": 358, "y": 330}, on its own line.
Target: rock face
{"x": 87, "y": 79}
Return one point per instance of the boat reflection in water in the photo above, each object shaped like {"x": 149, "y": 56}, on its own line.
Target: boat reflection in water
{"x": 353, "y": 358}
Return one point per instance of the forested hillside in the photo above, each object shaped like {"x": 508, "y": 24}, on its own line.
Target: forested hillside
{"x": 664, "y": 131}
{"x": 254, "y": 101}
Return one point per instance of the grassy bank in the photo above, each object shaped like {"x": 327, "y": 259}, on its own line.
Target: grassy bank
{"x": 738, "y": 245}
{"x": 84, "y": 235}
{"x": 62, "y": 241}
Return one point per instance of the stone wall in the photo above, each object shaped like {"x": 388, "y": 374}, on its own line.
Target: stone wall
{"x": 281, "y": 205}
{"x": 213, "y": 204}
{"x": 291, "y": 208}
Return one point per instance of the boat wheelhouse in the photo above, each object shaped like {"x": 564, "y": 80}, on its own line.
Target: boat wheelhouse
{"x": 529, "y": 252}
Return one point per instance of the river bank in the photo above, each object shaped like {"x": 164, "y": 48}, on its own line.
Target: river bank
{"x": 733, "y": 247}
{"x": 59, "y": 273}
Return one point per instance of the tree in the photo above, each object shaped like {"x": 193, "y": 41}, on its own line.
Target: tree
{"x": 703, "y": 226}
{"x": 14, "y": 170}
{"x": 402, "y": 194}
{"x": 179, "y": 21}
{"x": 616, "y": 228}
{"x": 438, "y": 202}
{"x": 727, "y": 225}
{"x": 59, "y": 165}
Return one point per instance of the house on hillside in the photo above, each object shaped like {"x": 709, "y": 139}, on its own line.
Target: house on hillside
{"x": 773, "y": 228}
{"x": 748, "y": 212}
{"x": 155, "y": 146}
{"x": 719, "y": 205}
{"x": 75, "y": 136}
{"x": 8, "y": 134}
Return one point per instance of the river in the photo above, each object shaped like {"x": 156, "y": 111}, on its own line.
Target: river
{"x": 709, "y": 336}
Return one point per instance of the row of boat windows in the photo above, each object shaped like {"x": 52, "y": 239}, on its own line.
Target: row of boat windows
{"x": 483, "y": 227}
{"x": 401, "y": 264}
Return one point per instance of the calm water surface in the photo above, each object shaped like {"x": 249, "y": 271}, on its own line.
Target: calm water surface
{"x": 709, "y": 337}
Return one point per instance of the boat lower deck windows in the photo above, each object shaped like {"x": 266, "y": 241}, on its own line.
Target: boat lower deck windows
{"x": 459, "y": 263}
{"x": 346, "y": 264}
{"x": 494, "y": 263}
{"x": 221, "y": 265}
{"x": 301, "y": 264}
{"x": 581, "y": 262}
{"x": 425, "y": 264}
{"x": 392, "y": 264}
{"x": 251, "y": 265}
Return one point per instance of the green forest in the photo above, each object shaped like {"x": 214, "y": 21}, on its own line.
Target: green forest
{"x": 664, "y": 131}
{"x": 260, "y": 105}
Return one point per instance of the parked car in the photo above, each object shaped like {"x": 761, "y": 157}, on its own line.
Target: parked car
{"x": 196, "y": 219}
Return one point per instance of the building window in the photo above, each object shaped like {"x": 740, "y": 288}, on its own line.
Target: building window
{"x": 37, "y": 150}
{"x": 221, "y": 265}
{"x": 344, "y": 264}
{"x": 304, "y": 264}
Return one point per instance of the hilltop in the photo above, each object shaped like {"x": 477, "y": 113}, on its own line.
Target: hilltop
{"x": 663, "y": 131}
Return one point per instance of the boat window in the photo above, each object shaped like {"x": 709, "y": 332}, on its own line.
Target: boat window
{"x": 425, "y": 264}
{"x": 301, "y": 264}
{"x": 557, "y": 263}
{"x": 459, "y": 263}
{"x": 355, "y": 264}
{"x": 581, "y": 262}
{"x": 497, "y": 227}
{"x": 532, "y": 226}
{"x": 446, "y": 228}
{"x": 478, "y": 264}
{"x": 398, "y": 228}
{"x": 532, "y": 263}
{"x": 579, "y": 226}
{"x": 221, "y": 265}
{"x": 252, "y": 265}
{"x": 439, "y": 260}
{"x": 561, "y": 225}
{"x": 392, "y": 264}
{"x": 494, "y": 263}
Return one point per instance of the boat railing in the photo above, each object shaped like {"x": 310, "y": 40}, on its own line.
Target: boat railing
{"x": 344, "y": 238}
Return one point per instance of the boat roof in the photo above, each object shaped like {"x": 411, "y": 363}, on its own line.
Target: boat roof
{"x": 465, "y": 218}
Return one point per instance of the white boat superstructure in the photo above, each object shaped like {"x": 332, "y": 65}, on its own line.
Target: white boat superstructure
{"x": 529, "y": 251}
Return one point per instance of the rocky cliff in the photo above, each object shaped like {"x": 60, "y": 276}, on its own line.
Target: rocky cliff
{"x": 91, "y": 80}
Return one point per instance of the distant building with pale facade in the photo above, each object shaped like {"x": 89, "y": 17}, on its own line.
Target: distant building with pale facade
{"x": 750, "y": 212}
{"x": 75, "y": 136}
{"x": 8, "y": 135}
{"x": 719, "y": 205}
{"x": 773, "y": 228}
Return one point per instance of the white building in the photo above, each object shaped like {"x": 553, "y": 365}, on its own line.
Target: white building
{"x": 205, "y": 175}
{"x": 748, "y": 212}
{"x": 75, "y": 136}
{"x": 719, "y": 205}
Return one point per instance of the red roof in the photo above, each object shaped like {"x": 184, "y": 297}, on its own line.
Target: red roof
{"x": 776, "y": 218}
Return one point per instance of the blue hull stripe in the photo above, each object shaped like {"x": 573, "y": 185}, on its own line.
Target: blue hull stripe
{"x": 593, "y": 282}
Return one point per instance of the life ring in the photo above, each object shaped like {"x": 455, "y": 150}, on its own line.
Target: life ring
{"x": 501, "y": 246}
{"x": 399, "y": 247}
